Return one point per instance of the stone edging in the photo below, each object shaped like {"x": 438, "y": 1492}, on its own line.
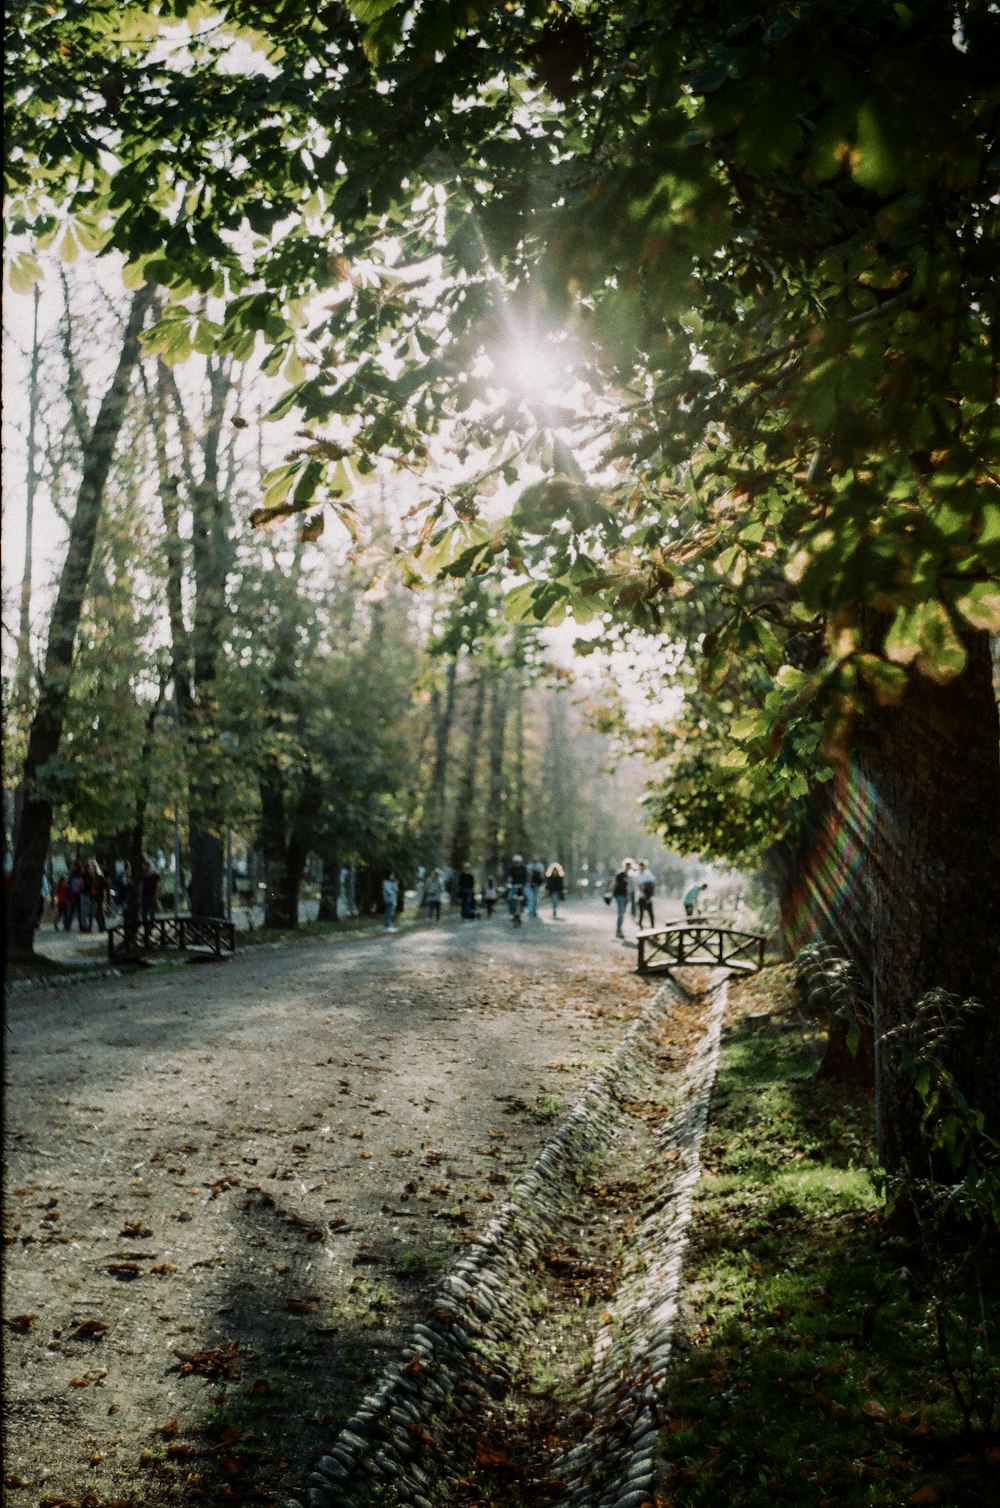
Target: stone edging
{"x": 59, "y": 981}
{"x": 481, "y": 1309}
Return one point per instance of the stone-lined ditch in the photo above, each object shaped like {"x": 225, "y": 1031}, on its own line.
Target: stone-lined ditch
{"x": 572, "y": 1266}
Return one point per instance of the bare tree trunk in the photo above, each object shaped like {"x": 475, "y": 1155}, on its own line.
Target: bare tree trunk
{"x": 137, "y": 843}
{"x": 439, "y": 773}
{"x": 461, "y": 841}
{"x": 195, "y": 654}
{"x": 45, "y": 734}
{"x": 517, "y": 834}
{"x": 497, "y": 725}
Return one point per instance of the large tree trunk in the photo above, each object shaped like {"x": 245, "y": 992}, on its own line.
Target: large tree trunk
{"x": 932, "y": 767}
{"x": 23, "y": 670}
{"x": 47, "y": 724}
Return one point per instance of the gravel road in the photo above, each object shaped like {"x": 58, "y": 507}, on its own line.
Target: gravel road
{"x": 230, "y": 1187}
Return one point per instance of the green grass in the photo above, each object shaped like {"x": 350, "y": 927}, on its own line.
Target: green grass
{"x": 812, "y": 1375}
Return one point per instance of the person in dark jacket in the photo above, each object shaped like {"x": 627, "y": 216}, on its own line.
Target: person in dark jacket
{"x": 555, "y": 885}
{"x": 467, "y": 893}
{"x": 619, "y": 894}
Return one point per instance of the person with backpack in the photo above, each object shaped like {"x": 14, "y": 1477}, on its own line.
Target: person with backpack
{"x": 645, "y": 889}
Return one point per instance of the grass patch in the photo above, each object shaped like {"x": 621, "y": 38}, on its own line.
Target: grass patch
{"x": 811, "y": 1374}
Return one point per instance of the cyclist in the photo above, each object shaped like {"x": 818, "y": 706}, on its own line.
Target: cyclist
{"x": 517, "y": 880}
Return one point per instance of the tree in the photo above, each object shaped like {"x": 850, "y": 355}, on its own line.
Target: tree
{"x": 56, "y": 677}
{"x": 772, "y": 239}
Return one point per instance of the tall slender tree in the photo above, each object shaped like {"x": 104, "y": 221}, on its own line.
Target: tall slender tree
{"x": 47, "y": 723}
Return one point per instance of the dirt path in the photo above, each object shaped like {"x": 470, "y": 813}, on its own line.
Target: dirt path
{"x": 229, "y": 1188}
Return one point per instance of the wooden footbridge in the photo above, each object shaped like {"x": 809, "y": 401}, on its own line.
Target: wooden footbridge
{"x": 189, "y": 933}
{"x": 682, "y": 945}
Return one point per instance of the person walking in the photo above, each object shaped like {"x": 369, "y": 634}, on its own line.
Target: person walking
{"x": 62, "y": 903}
{"x": 555, "y": 884}
{"x": 619, "y": 895}
{"x": 490, "y": 896}
{"x": 149, "y": 894}
{"x": 517, "y": 883}
{"x": 691, "y": 898}
{"x": 645, "y": 887}
{"x": 536, "y": 875}
{"x": 467, "y": 893}
{"x": 433, "y": 890}
{"x": 630, "y": 867}
{"x": 390, "y": 899}
{"x": 75, "y": 904}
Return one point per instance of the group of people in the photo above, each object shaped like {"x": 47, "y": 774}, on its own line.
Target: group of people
{"x": 92, "y": 897}
{"x": 522, "y": 887}
{"x": 632, "y": 890}
{"x": 526, "y": 883}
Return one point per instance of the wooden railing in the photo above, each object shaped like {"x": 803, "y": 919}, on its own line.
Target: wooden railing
{"x": 686, "y": 944}
{"x": 185, "y": 932}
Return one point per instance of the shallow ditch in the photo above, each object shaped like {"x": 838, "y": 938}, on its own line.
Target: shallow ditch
{"x": 532, "y": 1379}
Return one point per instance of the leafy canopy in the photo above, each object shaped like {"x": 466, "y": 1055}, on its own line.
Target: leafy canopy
{"x": 762, "y": 241}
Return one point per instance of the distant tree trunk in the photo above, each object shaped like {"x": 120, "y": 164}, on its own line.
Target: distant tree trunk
{"x": 46, "y": 729}
{"x": 517, "y": 834}
{"x": 329, "y": 889}
{"x": 461, "y": 841}
{"x": 933, "y": 764}
{"x": 497, "y": 725}
{"x": 137, "y": 848}
{"x": 439, "y": 772}
{"x": 211, "y": 556}
{"x": 196, "y": 653}
{"x": 273, "y": 844}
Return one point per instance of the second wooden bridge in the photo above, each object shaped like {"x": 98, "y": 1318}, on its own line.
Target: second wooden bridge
{"x": 683, "y": 945}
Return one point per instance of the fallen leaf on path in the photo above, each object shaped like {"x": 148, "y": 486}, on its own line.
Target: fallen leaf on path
{"x": 89, "y": 1329}
{"x": 219, "y": 1362}
{"x": 22, "y": 1323}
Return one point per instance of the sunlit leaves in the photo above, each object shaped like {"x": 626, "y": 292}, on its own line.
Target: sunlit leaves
{"x": 925, "y": 633}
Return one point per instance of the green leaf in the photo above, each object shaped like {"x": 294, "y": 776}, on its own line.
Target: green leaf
{"x": 981, "y": 606}
{"x": 924, "y": 633}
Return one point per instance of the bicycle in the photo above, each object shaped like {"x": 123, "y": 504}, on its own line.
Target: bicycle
{"x": 516, "y": 902}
